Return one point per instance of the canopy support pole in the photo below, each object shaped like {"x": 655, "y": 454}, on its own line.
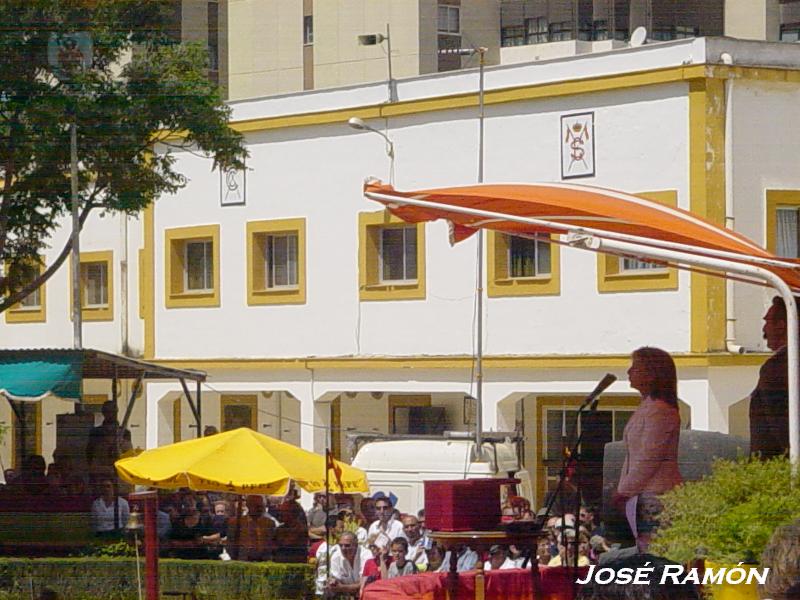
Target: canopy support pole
{"x": 131, "y": 401}
{"x": 191, "y": 405}
{"x": 199, "y": 401}
{"x": 793, "y": 343}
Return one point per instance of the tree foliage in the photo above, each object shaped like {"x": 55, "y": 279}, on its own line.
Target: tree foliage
{"x": 730, "y": 515}
{"x": 142, "y": 88}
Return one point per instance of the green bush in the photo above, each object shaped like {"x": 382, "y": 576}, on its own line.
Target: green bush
{"x": 115, "y": 579}
{"x": 730, "y": 515}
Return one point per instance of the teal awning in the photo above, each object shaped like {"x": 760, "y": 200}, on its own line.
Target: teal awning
{"x": 33, "y": 379}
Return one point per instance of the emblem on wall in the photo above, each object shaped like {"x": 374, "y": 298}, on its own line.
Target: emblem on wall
{"x": 577, "y": 145}
{"x": 232, "y": 187}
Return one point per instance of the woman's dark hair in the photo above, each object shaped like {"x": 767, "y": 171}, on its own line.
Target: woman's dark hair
{"x": 782, "y": 556}
{"x": 663, "y": 372}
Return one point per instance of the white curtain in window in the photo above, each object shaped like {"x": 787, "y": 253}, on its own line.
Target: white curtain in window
{"x": 786, "y": 234}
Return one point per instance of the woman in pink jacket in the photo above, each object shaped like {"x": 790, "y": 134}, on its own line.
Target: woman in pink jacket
{"x": 651, "y": 442}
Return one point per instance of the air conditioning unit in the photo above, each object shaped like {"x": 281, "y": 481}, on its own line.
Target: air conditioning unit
{"x": 420, "y": 420}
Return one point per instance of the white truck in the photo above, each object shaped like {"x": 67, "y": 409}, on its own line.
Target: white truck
{"x": 401, "y": 463}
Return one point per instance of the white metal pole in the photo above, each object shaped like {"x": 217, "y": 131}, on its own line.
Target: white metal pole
{"x": 75, "y": 258}
{"x": 479, "y": 291}
{"x": 792, "y": 345}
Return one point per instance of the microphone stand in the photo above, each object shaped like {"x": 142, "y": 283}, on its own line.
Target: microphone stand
{"x": 571, "y": 457}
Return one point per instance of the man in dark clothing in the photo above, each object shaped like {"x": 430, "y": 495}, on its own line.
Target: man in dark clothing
{"x": 769, "y": 403}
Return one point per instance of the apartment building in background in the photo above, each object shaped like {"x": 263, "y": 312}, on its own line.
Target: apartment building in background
{"x": 267, "y": 47}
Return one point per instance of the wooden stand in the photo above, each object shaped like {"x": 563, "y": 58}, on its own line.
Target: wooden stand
{"x": 480, "y": 541}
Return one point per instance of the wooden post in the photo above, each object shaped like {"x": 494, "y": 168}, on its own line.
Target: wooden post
{"x": 480, "y": 580}
{"x": 149, "y": 500}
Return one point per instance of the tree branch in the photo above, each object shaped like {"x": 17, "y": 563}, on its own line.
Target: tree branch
{"x": 35, "y": 283}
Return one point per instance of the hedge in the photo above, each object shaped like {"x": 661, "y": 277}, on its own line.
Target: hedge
{"x": 115, "y": 579}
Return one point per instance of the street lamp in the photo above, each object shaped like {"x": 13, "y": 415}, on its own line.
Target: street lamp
{"x": 68, "y": 54}
{"x": 374, "y": 39}
{"x": 481, "y": 52}
{"x": 360, "y": 125}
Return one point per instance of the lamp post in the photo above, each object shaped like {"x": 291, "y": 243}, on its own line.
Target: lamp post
{"x": 360, "y": 125}
{"x": 373, "y": 39}
{"x": 481, "y": 52}
{"x": 68, "y": 54}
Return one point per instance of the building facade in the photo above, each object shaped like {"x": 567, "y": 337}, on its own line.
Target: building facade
{"x": 316, "y": 314}
{"x": 267, "y": 47}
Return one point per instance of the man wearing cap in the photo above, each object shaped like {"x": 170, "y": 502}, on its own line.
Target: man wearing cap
{"x": 385, "y": 528}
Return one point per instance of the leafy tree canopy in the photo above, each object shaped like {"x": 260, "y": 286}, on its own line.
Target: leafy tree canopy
{"x": 142, "y": 87}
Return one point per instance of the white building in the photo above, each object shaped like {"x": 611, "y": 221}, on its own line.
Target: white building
{"x": 309, "y": 317}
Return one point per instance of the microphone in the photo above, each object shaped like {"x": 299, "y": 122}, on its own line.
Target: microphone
{"x": 601, "y": 387}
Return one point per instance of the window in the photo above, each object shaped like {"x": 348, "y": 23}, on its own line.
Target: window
{"x": 97, "y": 286}
{"x": 522, "y": 266}
{"x": 213, "y": 41}
{"x": 32, "y": 308}
{"x": 528, "y": 257}
{"x": 398, "y": 254}
{"x": 536, "y": 30}
{"x": 512, "y": 36}
{"x": 676, "y": 32}
{"x": 192, "y": 266}
{"x": 238, "y": 411}
{"x": 790, "y": 32}
{"x": 560, "y": 31}
{"x": 786, "y": 231}
{"x": 783, "y": 221}
{"x": 308, "y": 29}
{"x": 276, "y": 262}
{"x": 391, "y": 258}
{"x": 199, "y": 271}
{"x": 600, "y": 30}
{"x": 631, "y": 274}
{"x": 449, "y": 19}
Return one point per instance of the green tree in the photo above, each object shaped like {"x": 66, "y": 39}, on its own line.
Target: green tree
{"x": 141, "y": 89}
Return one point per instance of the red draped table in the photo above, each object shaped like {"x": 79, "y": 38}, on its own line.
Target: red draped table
{"x": 555, "y": 583}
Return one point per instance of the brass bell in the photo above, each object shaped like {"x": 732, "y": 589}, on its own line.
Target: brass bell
{"x": 134, "y": 522}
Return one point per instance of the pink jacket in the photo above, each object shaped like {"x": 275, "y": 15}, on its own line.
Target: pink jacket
{"x": 651, "y": 450}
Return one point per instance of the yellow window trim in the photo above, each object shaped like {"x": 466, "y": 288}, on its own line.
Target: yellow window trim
{"x": 177, "y": 422}
{"x": 257, "y": 292}
{"x": 501, "y": 285}
{"x": 20, "y": 314}
{"x": 95, "y": 313}
{"x": 611, "y": 280}
{"x": 778, "y": 199}
{"x": 174, "y": 243}
{"x": 370, "y": 289}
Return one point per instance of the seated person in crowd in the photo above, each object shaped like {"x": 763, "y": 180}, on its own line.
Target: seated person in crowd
{"x": 372, "y": 568}
{"x": 31, "y": 480}
{"x": 416, "y": 541}
{"x": 291, "y": 537}
{"x": 188, "y": 531}
{"x": 347, "y": 566}
{"x": 466, "y": 559}
{"x": 385, "y": 528}
{"x": 435, "y": 557}
{"x": 498, "y": 559}
{"x": 316, "y": 516}
{"x": 399, "y": 564}
{"x": 252, "y": 537}
{"x": 109, "y": 517}
{"x": 323, "y": 549}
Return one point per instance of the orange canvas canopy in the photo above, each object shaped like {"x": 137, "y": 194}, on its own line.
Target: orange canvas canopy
{"x": 528, "y": 209}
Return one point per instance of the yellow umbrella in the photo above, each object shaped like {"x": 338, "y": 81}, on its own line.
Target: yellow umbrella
{"x": 240, "y": 461}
